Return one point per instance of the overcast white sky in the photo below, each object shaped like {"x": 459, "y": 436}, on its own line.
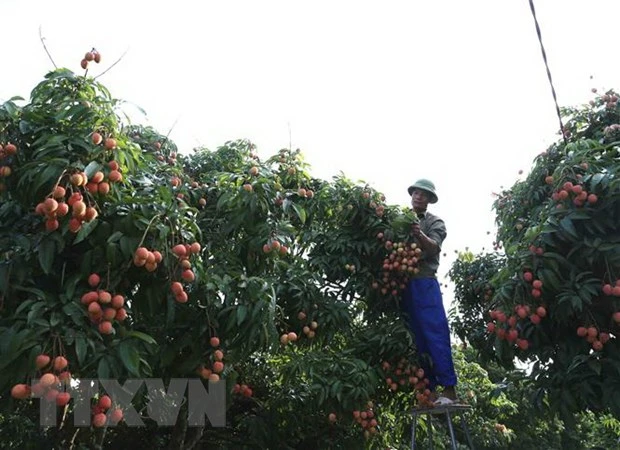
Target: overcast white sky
{"x": 387, "y": 91}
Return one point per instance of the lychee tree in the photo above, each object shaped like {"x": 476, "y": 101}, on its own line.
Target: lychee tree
{"x": 556, "y": 295}
{"x": 122, "y": 258}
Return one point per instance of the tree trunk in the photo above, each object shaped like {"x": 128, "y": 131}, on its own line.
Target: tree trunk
{"x": 177, "y": 440}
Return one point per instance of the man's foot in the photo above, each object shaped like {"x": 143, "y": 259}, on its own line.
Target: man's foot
{"x": 443, "y": 401}
{"x": 448, "y": 397}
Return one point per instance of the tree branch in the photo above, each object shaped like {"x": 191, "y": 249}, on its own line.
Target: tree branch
{"x": 45, "y": 48}
{"x": 115, "y": 63}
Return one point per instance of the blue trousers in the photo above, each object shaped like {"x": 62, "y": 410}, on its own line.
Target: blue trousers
{"x": 426, "y": 317}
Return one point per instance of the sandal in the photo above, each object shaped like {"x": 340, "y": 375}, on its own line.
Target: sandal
{"x": 445, "y": 401}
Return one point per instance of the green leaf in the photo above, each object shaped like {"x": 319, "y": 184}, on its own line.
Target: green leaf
{"x": 595, "y": 365}
{"x": 595, "y": 180}
{"x": 38, "y": 292}
{"x": 47, "y": 252}
{"x": 115, "y": 237}
{"x": 103, "y": 369}
{"x": 37, "y": 310}
{"x": 223, "y": 199}
{"x": 556, "y": 256}
{"x": 10, "y": 108}
{"x": 550, "y": 279}
{"x": 130, "y": 357}
{"x": 25, "y": 127}
{"x": 91, "y": 168}
{"x": 54, "y": 319}
{"x": 23, "y": 306}
{"x": 48, "y": 176}
{"x": 301, "y": 212}
{"x": 567, "y": 225}
{"x": 129, "y": 245}
{"x": 80, "y": 349}
{"x": 85, "y": 231}
{"x": 242, "y": 312}
{"x": 143, "y": 336}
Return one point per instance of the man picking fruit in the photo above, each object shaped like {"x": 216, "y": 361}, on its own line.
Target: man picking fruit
{"x": 422, "y": 300}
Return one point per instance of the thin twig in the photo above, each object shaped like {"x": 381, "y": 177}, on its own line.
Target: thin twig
{"x": 115, "y": 63}
{"x": 173, "y": 125}
{"x": 290, "y": 140}
{"x": 73, "y": 438}
{"x": 45, "y": 48}
{"x": 167, "y": 137}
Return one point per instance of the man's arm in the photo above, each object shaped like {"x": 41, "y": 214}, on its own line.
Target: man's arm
{"x": 431, "y": 243}
{"x": 427, "y": 244}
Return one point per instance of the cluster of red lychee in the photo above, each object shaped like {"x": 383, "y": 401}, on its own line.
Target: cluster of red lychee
{"x": 54, "y": 376}
{"x": 576, "y": 193}
{"x": 103, "y": 307}
{"x": 308, "y": 329}
{"x": 536, "y": 290}
{"x": 375, "y": 204}
{"x": 309, "y": 325}
{"x": 594, "y": 337}
{"x": 398, "y": 267}
{"x": 6, "y": 151}
{"x": 101, "y": 185}
{"x": 610, "y": 100}
{"x": 505, "y": 327}
{"x": 275, "y": 247}
{"x": 183, "y": 269}
{"x": 404, "y": 375}
{"x": 109, "y": 143}
{"x": 215, "y": 366}
{"x": 92, "y": 55}
{"x": 366, "y": 418}
{"x": 57, "y": 205}
{"x": 243, "y": 390}
{"x": 99, "y": 418}
{"x": 612, "y": 289}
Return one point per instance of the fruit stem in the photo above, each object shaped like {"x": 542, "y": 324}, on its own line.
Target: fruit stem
{"x": 156, "y": 216}
{"x": 108, "y": 278}
{"x": 609, "y": 272}
{"x": 58, "y": 181}
{"x": 54, "y": 352}
{"x": 62, "y": 275}
{"x": 99, "y": 445}
{"x": 65, "y": 409}
{"x": 171, "y": 270}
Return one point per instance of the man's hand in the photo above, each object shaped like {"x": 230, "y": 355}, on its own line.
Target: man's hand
{"x": 415, "y": 230}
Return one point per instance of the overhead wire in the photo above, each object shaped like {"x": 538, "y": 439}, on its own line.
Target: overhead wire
{"x": 544, "y": 55}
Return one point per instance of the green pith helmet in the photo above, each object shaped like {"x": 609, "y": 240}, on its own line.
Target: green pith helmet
{"x": 425, "y": 185}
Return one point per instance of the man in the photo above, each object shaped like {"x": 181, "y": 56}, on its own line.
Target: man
{"x": 422, "y": 300}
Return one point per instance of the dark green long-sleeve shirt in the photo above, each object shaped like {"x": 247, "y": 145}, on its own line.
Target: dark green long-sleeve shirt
{"x": 435, "y": 229}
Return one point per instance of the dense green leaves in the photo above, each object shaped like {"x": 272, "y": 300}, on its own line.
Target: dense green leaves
{"x": 274, "y": 255}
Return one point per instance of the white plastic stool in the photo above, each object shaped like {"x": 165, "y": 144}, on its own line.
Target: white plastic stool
{"x": 447, "y": 410}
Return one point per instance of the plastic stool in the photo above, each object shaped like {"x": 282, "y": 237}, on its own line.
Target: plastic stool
{"x": 447, "y": 410}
